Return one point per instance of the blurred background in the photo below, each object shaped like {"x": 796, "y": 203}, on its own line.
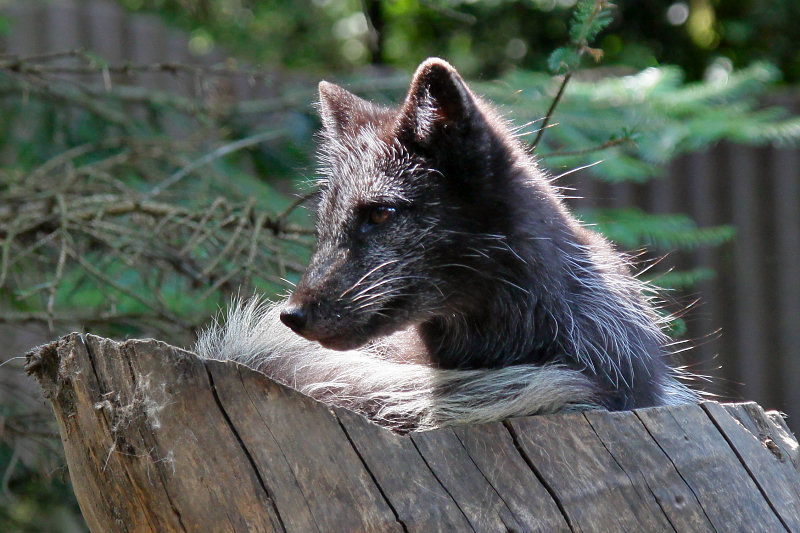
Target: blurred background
{"x": 154, "y": 156}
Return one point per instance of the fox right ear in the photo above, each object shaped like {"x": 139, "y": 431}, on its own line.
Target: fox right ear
{"x": 339, "y": 108}
{"x": 438, "y": 100}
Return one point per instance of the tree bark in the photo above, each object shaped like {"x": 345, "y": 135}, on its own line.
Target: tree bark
{"x": 157, "y": 439}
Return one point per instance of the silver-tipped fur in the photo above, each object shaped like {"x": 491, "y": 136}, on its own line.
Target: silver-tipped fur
{"x": 399, "y": 395}
{"x": 477, "y": 297}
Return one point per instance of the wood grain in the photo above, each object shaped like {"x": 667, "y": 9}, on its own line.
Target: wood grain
{"x": 159, "y": 440}
{"x": 729, "y": 496}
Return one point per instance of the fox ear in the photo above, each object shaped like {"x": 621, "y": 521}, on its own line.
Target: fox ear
{"x": 438, "y": 100}
{"x": 339, "y": 109}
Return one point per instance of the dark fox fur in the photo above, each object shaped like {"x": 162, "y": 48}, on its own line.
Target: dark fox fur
{"x": 441, "y": 244}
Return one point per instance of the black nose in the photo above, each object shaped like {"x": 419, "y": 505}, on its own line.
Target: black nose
{"x": 295, "y": 318}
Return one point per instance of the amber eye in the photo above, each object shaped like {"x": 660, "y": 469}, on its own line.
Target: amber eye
{"x": 380, "y": 214}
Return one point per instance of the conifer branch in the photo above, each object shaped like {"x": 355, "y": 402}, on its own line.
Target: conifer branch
{"x": 587, "y": 23}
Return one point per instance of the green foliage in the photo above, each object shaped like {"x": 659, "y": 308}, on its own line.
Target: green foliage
{"x": 563, "y": 60}
{"x": 295, "y": 34}
{"x": 654, "y": 113}
{"x": 634, "y": 229}
{"x": 28, "y": 490}
{"x": 589, "y": 18}
{"x": 485, "y": 38}
{"x": 683, "y": 279}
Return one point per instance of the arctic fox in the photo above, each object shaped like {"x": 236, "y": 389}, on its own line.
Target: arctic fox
{"x": 450, "y": 284}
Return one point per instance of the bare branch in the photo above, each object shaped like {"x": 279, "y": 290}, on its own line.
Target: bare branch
{"x": 102, "y": 224}
{"x": 211, "y": 156}
{"x": 551, "y": 110}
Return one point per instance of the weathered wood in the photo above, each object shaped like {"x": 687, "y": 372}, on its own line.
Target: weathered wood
{"x": 729, "y": 496}
{"x": 475, "y": 496}
{"x": 404, "y": 477}
{"x": 649, "y": 469}
{"x": 748, "y": 433}
{"x": 159, "y": 440}
{"x": 494, "y": 453}
{"x": 294, "y": 431}
{"x": 575, "y": 464}
{"x": 140, "y": 458}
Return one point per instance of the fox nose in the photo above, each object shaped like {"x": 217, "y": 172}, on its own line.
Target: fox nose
{"x": 294, "y": 317}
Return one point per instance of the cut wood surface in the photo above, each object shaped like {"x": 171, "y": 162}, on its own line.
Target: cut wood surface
{"x": 157, "y": 439}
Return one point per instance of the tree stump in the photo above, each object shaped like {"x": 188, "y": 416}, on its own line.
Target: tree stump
{"x": 157, "y": 439}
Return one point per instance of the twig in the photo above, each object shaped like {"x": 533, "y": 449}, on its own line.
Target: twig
{"x": 101, "y": 318}
{"x": 31, "y": 81}
{"x": 124, "y": 290}
{"x": 608, "y": 144}
{"x": 73, "y": 153}
{"x": 202, "y": 225}
{"x": 49, "y": 56}
{"x": 552, "y": 109}
{"x": 23, "y": 431}
{"x": 254, "y": 239}
{"x": 448, "y": 12}
{"x": 24, "y": 253}
{"x": 81, "y": 206}
{"x": 55, "y": 93}
{"x": 62, "y": 257}
{"x": 12, "y": 464}
{"x": 9, "y": 238}
{"x": 211, "y": 156}
{"x": 281, "y": 219}
{"x": 243, "y": 219}
{"x": 581, "y": 47}
{"x": 36, "y": 64}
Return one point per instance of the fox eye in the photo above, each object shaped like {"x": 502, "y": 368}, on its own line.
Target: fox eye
{"x": 380, "y": 214}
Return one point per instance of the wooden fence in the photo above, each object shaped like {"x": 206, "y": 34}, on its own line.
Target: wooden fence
{"x": 754, "y": 301}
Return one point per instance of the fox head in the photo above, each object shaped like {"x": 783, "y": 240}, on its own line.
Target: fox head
{"x": 412, "y": 213}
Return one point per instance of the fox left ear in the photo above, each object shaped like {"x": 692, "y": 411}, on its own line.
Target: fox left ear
{"x": 438, "y": 100}
{"x": 339, "y": 109}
